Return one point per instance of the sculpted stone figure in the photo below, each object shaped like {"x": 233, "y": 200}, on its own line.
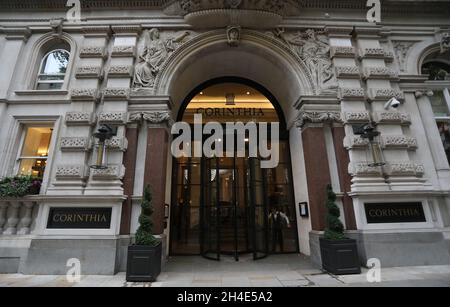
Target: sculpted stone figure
{"x": 314, "y": 51}
{"x": 156, "y": 50}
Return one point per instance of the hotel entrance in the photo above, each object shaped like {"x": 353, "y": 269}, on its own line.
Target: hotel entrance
{"x": 229, "y": 205}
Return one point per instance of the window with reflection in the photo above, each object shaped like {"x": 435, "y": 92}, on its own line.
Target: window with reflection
{"x": 437, "y": 67}
{"x": 52, "y": 71}
{"x": 34, "y": 151}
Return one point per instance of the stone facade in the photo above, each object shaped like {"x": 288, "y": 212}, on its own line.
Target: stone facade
{"x": 133, "y": 73}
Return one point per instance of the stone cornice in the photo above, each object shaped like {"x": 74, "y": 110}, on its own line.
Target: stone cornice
{"x": 389, "y": 7}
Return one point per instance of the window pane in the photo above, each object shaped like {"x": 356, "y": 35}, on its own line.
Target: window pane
{"x": 55, "y": 63}
{"x": 49, "y": 86}
{"x": 37, "y": 142}
{"x": 32, "y": 167}
{"x": 444, "y": 132}
{"x": 439, "y": 104}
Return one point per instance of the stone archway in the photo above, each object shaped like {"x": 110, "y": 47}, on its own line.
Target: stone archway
{"x": 258, "y": 57}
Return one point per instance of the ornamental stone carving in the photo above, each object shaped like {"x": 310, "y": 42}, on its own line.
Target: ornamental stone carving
{"x": 362, "y": 169}
{"x": 92, "y": 52}
{"x": 84, "y": 72}
{"x": 112, "y": 118}
{"x": 317, "y": 117}
{"x": 348, "y": 72}
{"x": 68, "y": 172}
{"x": 356, "y": 117}
{"x": 123, "y": 51}
{"x": 405, "y": 169}
{"x": 379, "y": 73}
{"x": 342, "y": 52}
{"x": 377, "y": 53}
{"x": 116, "y": 93}
{"x": 399, "y": 141}
{"x": 401, "y": 50}
{"x": 153, "y": 55}
{"x": 233, "y": 35}
{"x": 113, "y": 172}
{"x": 79, "y": 118}
{"x": 120, "y": 71}
{"x": 75, "y": 144}
{"x": 89, "y": 94}
{"x": 313, "y": 49}
{"x": 353, "y": 93}
{"x": 385, "y": 93}
{"x": 355, "y": 142}
{"x": 445, "y": 42}
{"x": 221, "y": 13}
{"x": 392, "y": 118}
{"x": 157, "y": 117}
{"x": 117, "y": 143}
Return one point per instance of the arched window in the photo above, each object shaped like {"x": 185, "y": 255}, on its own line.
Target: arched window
{"x": 52, "y": 71}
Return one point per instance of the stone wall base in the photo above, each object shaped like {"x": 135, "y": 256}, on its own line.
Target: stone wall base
{"x": 47, "y": 256}
{"x": 395, "y": 249}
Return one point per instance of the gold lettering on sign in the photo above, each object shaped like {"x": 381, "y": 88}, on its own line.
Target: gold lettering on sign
{"x": 407, "y": 212}
{"x": 80, "y": 218}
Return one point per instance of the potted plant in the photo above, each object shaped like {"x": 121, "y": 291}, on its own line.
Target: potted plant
{"x": 19, "y": 186}
{"x": 339, "y": 254}
{"x": 144, "y": 257}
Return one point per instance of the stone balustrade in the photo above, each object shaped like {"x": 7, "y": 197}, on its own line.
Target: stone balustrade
{"x": 17, "y": 216}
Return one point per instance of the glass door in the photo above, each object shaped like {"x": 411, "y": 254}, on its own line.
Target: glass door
{"x": 258, "y": 209}
{"x": 210, "y": 210}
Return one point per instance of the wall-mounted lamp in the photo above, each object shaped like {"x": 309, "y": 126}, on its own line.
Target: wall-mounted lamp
{"x": 105, "y": 132}
{"x": 367, "y": 131}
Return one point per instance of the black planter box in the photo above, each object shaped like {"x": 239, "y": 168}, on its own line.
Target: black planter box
{"x": 340, "y": 257}
{"x": 143, "y": 263}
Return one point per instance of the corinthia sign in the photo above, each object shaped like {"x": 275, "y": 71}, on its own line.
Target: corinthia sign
{"x": 79, "y": 218}
{"x": 394, "y": 213}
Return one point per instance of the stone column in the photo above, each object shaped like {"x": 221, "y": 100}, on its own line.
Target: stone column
{"x": 130, "y": 157}
{"x": 317, "y": 172}
{"x": 156, "y": 162}
{"x": 345, "y": 179}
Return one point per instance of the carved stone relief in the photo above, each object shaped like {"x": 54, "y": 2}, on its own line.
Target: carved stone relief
{"x": 401, "y": 49}
{"x": 317, "y": 117}
{"x": 78, "y": 118}
{"x": 313, "y": 48}
{"x": 157, "y": 48}
{"x": 75, "y": 144}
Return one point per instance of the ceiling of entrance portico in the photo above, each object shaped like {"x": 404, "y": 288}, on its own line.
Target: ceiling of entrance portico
{"x": 215, "y": 97}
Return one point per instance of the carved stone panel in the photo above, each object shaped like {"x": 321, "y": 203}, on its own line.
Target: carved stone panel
{"x": 385, "y": 94}
{"x": 88, "y": 94}
{"x": 113, "y": 172}
{"x": 116, "y": 93}
{"x": 79, "y": 119}
{"x": 75, "y": 144}
{"x": 70, "y": 172}
{"x": 112, "y": 117}
{"x": 85, "y": 72}
{"x": 92, "y": 52}
{"x": 353, "y": 93}
{"x": 120, "y": 71}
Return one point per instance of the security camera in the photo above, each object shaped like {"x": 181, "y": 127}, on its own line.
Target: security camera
{"x": 392, "y": 103}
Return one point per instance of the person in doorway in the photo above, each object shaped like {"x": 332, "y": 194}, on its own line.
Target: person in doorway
{"x": 278, "y": 221}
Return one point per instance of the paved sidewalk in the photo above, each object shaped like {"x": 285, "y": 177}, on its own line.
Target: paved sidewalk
{"x": 275, "y": 271}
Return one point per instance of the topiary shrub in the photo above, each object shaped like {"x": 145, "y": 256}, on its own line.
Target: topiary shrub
{"x": 19, "y": 186}
{"x": 335, "y": 228}
{"x": 144, "y": 234}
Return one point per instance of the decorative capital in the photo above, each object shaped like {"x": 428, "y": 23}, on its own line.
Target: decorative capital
{"x": 157, "y": 117}
{"x": 318, "y": 117}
